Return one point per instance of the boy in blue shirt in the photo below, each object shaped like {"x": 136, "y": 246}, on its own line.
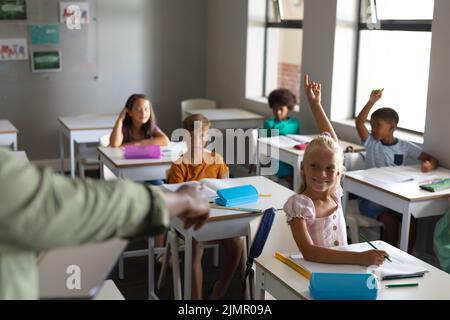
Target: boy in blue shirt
{"x": 281, "y": 101}
{"x": 383, "y": 150}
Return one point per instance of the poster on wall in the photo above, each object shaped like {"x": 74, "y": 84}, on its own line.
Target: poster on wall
{"x": 46, "y": 61}
{"x": 13, "y": 49}
{"x": 13, "y": 10}
{"x": 73, "y": 10}
{"x": 45, "y": 34}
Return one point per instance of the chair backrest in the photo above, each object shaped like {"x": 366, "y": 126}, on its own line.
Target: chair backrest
{"x": 191, "y": 104}
{"x": 280, "y": 237}
{"x": 104, "y": 140}
{"x": 266, "y": 237}
{"x": 354, "y": 161}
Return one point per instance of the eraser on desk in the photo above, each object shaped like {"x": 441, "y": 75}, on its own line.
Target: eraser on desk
{"x": 142, "y": 152}
{"x": 301, "y": 146}
{"x": 235, "y": 196}
{"x": 343, "y": 286}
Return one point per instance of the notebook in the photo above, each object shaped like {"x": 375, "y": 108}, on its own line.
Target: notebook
{"x": 438, "y": 185}
{"x": 92, "y": 262}
{"x": 210, "y": 186}
{"x": 398, "y": 268}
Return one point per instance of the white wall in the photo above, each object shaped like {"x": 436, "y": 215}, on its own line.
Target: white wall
{"x": 437, "y": 128}
{"x": 155, "y": 47}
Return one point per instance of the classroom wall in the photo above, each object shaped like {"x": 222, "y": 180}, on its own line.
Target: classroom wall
{"x": 437, "y": 128}
{"x": 155, "y": 47}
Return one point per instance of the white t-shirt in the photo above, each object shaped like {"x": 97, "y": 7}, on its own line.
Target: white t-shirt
{"x": 382, "y": 155}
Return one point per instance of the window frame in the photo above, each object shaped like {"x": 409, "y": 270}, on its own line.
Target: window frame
{"x": 281, "y": 24}
{"x": 385, "y": 25}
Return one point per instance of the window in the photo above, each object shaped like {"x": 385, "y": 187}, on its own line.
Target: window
{"x": 394, "y": 54}
{"x": 283, "y": 45}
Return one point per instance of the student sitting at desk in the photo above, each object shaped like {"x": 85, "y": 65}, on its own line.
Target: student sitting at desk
{"x": 281, "y": 101}
{"x": 197, "y": 164}
{"x": 383, "y": 150}
{"x": 136, "y": 124}
{"x": 315, "y": 214}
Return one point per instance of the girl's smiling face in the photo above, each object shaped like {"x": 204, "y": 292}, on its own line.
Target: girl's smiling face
{"x": 140, "y": 112}
{"x": 320, "y": 170}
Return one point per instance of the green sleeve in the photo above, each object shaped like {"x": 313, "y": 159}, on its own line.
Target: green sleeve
{"x": 42, "y": 210}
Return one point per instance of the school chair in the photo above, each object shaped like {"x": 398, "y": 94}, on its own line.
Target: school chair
{"x": 354, "y": 219}
{"x": 87, "y": 159}
{"x": 193, "y": 104}
{"x": 279, "y": 239}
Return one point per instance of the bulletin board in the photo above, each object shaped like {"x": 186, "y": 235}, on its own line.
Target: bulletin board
{"x": 48, "y": 38}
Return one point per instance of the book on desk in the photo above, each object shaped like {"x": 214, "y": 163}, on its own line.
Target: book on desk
{"x": 397, "y": 269}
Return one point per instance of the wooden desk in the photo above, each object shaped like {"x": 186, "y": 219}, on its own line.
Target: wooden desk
{"x": 282, "y": 282}
{"x": 229, "y": 118}
{"x": 291, "y": 155}
{"x": 404, "y": 197}
{"x": 224, "y": 224}
{"x": 135, "y": 169}
{"x": 82, "y": 129}
{"x": 8, "y": 134}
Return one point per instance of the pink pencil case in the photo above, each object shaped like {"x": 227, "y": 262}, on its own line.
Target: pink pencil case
{"x": 142, "y": 152}
{"x": 301, "y": 146}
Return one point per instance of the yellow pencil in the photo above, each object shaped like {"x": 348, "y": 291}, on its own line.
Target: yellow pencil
{"x": 293, "y": 265}
{"x": 265, "y": 195}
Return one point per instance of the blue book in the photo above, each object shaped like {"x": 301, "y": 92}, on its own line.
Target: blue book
{"x": 235, "y": 196}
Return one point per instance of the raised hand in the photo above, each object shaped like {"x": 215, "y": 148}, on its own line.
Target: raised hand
{"x": 313, "y": 90}
{"x": 376, "y": 95}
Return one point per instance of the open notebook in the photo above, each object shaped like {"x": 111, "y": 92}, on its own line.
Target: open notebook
{"x": 210, "y": 186}
{"x": 400, "y": 267}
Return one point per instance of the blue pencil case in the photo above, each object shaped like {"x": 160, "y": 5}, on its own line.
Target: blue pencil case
{"x": 343, "y": 286}
{"x": 235, "y": 196}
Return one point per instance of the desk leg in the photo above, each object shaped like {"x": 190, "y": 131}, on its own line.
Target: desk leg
{"x": 258, "y": 163}
{"x": 72, "y": 158}
{"x": 259, "y": 284}
{"x": 151, "y": 269}
{"x": 61, "y": 149}
{"x": 406, "y": 221}
{"x": 187, "y": 265}
{"x": 297, "y": 175}
{"x": 15, "y": 143}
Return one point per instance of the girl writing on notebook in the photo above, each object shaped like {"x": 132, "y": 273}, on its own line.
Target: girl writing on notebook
{"x": 136, "y": 124}
{"x": 315, "y": 213}
{"x": 197, "y": 164}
